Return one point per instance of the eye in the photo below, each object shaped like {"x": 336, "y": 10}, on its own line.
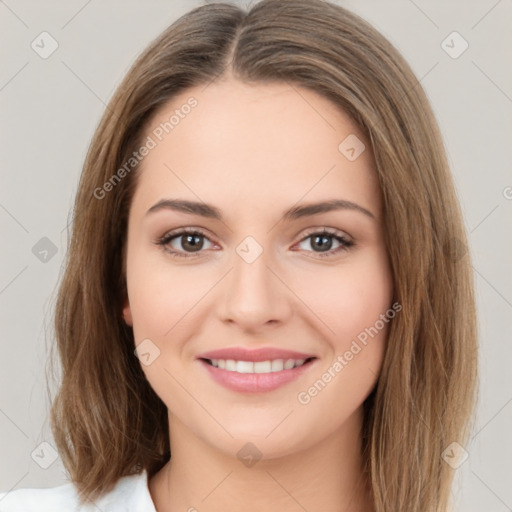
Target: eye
{"x": 323, "y": 241}
{"x": 191, "y": 241}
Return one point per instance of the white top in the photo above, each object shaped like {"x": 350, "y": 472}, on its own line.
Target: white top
{"x": 130, "y": 494}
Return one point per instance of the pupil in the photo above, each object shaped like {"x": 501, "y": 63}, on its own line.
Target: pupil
{"x": 195, "y": 246}
{"x": 323, "y": 238}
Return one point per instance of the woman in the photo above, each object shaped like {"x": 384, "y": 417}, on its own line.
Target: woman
{"x": 218, "y": 350}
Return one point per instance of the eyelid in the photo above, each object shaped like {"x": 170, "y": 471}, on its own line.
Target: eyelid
{"x": 347, "y": 240}
{"x": 308, "y": 232}
{"x": 328, "y": 230}
{"x": 176, "y": 233}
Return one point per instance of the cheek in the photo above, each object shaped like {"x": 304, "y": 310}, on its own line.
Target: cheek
{"x": 170, "y": 305}
{"x": 349, "y": 298}
{"x": 344, "y": 300}
{"x": 352, "y": 306}
{"x": 358, "y": 311}
{"x": 162, "y": 299}
{"x": 162, "y": 295}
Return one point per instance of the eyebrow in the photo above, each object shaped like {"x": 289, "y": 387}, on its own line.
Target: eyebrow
{"x": 294, "y": 213}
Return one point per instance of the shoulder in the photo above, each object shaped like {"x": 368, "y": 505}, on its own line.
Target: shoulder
{"x": 29, "y": 499}
{"x": 131, "y": 493}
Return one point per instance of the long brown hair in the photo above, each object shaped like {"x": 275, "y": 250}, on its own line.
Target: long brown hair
{"x": 106, "y": 419}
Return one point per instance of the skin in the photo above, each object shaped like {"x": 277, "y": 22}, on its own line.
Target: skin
{"x": 254, "y": 151}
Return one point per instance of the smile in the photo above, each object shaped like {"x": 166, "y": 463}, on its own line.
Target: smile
{"x": 276, "y": 365}
{"x": 255, "y": 376}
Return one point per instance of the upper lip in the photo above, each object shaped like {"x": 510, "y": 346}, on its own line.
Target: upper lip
{"x": 259, "y": 354}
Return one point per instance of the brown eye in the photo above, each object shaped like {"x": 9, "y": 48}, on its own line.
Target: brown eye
{"x": 184, "y": 243}
{"x": 191, "y": 243}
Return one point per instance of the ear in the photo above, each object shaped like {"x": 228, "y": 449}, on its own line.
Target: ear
{"x": 127, "y": 313}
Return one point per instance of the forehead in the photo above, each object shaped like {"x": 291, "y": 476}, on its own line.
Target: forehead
{"x": 258, "y": 143}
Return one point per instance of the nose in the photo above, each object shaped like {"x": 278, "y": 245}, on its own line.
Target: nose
{"x": 254, "y": 295}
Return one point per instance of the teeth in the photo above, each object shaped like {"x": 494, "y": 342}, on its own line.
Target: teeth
{"x": 242, "y": 367}
{"x": 275, "y": 365}
{"x": 263, "y": 367}
{"x": 289, "y": 364}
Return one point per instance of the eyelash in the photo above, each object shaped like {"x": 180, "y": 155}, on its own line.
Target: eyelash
{"x": 167, "y": 238}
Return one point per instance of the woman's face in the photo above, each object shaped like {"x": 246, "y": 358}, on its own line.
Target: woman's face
{"x": 251, "y": 277}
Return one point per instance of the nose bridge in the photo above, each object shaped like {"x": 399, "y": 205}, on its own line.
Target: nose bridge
{"x": 251, "y": 276}
{"x": 253, "y": 294}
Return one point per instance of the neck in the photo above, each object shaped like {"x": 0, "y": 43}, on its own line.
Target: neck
{"x": 326, "y": 476}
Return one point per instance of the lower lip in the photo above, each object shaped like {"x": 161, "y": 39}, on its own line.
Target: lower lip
{"x": 255, "y": 382}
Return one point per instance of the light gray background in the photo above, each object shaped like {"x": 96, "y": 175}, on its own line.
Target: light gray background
{"x": 50, "y": 108}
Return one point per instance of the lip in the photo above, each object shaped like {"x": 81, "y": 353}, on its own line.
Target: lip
{"x": 254, "y": 382}
{"x": 254, "y": 355}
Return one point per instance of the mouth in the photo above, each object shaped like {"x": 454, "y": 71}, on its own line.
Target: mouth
{"x": 255, "y": 376}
